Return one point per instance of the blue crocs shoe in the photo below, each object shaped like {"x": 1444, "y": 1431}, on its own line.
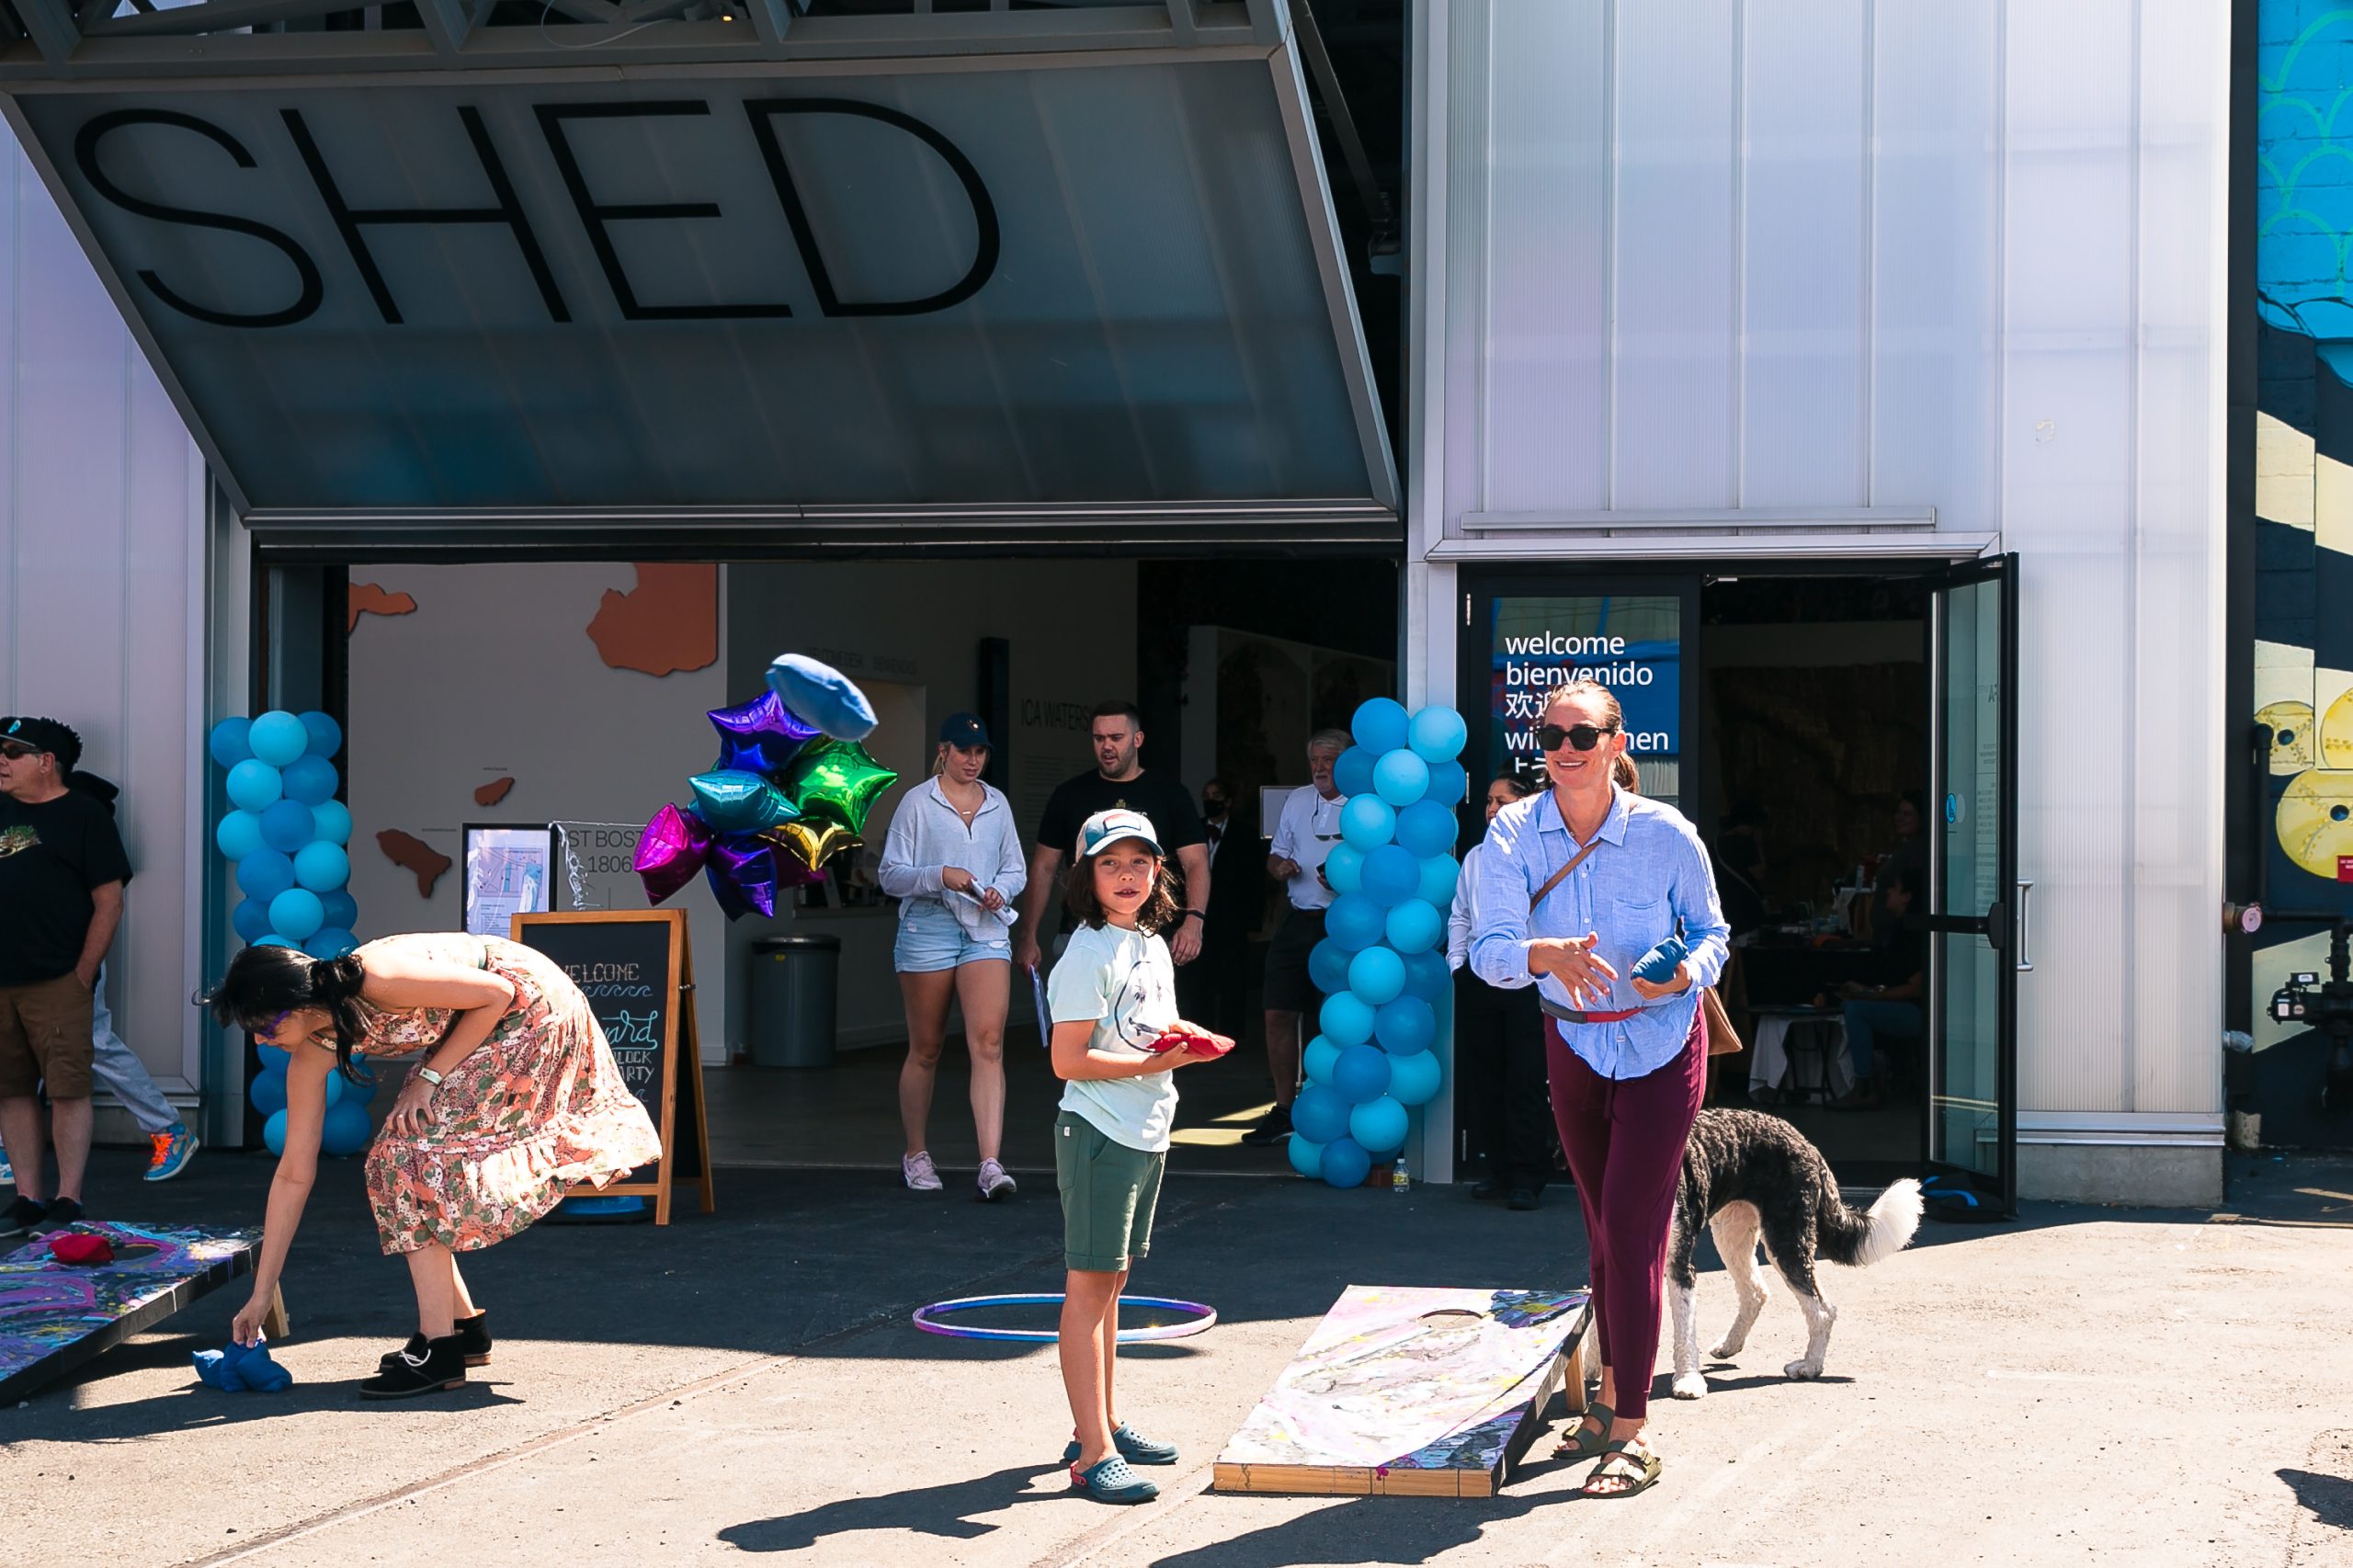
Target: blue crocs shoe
{"x": 169, "y": 1151}
{"x": 1112, "y": 1481}
{"x": 1133, "y": 1445}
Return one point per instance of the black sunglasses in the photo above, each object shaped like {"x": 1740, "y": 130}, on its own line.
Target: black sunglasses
{"x": 15, "y": 751}
{"x": 1583, "y": 737}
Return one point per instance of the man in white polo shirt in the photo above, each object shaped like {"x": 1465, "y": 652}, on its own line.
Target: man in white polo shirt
{"x": 1309, "y": 826}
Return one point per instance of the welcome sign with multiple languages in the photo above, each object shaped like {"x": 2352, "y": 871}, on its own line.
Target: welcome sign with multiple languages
{"x": 1632, "y": 644}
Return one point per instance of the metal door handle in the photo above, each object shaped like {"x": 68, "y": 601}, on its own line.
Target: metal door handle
{"x": 2025, "y": 927}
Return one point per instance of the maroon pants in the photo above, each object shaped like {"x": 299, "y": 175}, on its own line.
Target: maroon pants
{"x": 1624, "y": 1139}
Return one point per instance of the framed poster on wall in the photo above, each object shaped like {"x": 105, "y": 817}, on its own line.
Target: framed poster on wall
{"x": 509, "y": 870}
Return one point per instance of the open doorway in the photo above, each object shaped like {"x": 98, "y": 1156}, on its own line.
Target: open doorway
{"x": 1812, "y": 772}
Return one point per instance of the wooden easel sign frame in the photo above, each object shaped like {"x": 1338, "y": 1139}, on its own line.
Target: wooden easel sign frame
{"x": 674, "y": 989}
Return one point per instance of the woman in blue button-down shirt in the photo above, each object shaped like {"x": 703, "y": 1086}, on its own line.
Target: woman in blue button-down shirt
{"x": 1628, "y": 1059}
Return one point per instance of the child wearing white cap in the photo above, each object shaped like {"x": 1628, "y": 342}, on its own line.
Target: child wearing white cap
{"x": 1117, "y": 1043}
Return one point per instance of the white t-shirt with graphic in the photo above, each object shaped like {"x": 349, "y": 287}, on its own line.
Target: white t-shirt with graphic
{"x": 1125, "y": 984}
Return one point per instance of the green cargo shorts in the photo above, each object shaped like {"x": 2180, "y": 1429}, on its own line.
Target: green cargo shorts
{"x": 1108, "y": 1193}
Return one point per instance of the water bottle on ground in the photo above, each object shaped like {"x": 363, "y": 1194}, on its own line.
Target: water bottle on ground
{"x": 1400, "y": 1180}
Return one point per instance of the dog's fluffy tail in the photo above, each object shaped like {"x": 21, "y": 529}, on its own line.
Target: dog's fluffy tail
{"x": 1855, "y": 1239}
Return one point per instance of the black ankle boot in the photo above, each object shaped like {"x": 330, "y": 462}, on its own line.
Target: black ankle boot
{"x": 440, "y": 1366}
{"x": 473, "y": 1337}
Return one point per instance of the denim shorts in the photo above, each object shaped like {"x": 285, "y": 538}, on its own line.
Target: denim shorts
{"x": 931, "y": 940}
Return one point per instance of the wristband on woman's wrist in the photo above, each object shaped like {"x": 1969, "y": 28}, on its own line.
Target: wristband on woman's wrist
{"x": 1192, "y": 914}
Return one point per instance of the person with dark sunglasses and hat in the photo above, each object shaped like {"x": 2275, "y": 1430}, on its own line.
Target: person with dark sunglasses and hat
{"x": 61, "y": 873}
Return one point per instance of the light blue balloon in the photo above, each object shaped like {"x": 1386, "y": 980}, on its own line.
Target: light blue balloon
{"x": 1425, "y": 828}
{"x": 1320, "y": 1111}
{"x": 345, "y": 1131}
{"x": 253, "y": 784}
{"x": 1391, "y": 876}
{"x": 1438, "y": 876}
{"x": 1327, "y": 966}
{"x": 267, "y": 1092}
{"x": 1427, "y": 975}
{"x": 1361, "y": 1074}
{"x": 336, "y": 1087}
{"x": 1376, "y": 975}
{"x": 1400, "y": 776}
{"x": 330, "y": 942}
{"x": 273, "y": 1060}
{"x": 321, "y": 868}
{"x": 278, "y": 737}
{"x": 1354, "y": 921}
{"x": 286, "y": 826}
{"x": 1380, "y": 724}
{"x": 1343, "y": 867}
{"x": 228, "y": 742}
{"x": 325, "y": 735}
{"x": 273, "y": 1133}
{"x": 309, "y": 780}
{"x": 1414, "y": 926}
{"x": 1306, "y": 1157}
{"x": 1346, "y": 1019}
{"x": 1380, "y": 1125}
{"x": 342, "y": 909}
{"x": 1449, "y": 783}
{"x": 1320, "y": 1057}
{"x": 264, "y": 873}
{"x": 1352, "y": 774}
{"x": 1404, "y": 1026}
{"x": 1437, "y": 734}
{"x": 274, "y": 940}
{"x": 297, "y": 913}
{"x": 1413, "y": 1080}
{"x": 1367, "y": 820}
{"x": 331, "y": 822}
{"x": 238, "y": 836}
{"x": 1346, "y": 1164}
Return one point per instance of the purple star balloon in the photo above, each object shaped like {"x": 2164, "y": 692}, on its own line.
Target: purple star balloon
{"x": 673, "y": 849}
{"x": 766, "y": 723}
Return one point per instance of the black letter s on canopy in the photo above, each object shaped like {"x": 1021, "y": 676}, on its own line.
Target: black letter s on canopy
{"x": 85, "y": 156}
{"x": 762, "y": 111}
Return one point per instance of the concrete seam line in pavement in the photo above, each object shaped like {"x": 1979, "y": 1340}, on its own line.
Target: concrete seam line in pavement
{"x": 1128, "y": 1520}
{"x": 743, "y": 1371}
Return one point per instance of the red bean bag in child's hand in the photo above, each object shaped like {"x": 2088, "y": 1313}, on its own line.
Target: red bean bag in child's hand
{"x": 1184, "y": 1039}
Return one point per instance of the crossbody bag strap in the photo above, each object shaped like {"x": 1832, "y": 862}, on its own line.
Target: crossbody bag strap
{"x": 1556, "y": 877}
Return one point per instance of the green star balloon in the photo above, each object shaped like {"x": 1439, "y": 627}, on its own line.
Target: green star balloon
{"x": 836, "y": 781}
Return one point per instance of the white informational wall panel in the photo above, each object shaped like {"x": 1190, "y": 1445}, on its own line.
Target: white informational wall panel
{"x": 1678, "y": 96}
{"x": 1548, "y": 265}
{"x": 2068, "y": 257}
{"x": 1805, "y": 102}
{"x": 1936, "y": 236}
{"x": 100, "y": 598}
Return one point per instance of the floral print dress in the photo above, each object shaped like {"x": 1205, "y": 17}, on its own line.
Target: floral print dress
{"x": 538, "y": 1107}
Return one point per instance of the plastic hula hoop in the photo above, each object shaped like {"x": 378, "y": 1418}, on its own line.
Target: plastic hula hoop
{"x": 928, "y": 1318}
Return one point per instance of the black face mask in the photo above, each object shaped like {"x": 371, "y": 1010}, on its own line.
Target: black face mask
{"x": 1211, "y": 806}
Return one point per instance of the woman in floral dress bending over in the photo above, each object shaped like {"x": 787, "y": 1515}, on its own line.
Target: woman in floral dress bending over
{"x": 515, "y": 1101}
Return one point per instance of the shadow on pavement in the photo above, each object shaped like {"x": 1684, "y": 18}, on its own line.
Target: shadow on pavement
{"x": 2328, "y": 1498}
{"x": 943, "y": 1511}
{"x": 1364, "y": 1529}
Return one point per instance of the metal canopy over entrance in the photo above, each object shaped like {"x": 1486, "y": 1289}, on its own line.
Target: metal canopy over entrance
{"x": 1040, "y": 280}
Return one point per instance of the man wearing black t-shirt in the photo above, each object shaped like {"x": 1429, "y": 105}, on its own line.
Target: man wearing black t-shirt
{"x": 1119, "y": 781}
{"x": 61, "y": 871}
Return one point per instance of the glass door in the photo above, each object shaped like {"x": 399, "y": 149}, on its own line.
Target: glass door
{"x": 1976, "y": 915}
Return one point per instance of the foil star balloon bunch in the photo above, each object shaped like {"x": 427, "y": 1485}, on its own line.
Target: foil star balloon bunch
{"x": 790, "y": 790}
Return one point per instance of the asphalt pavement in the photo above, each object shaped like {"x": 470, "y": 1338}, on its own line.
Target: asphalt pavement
{"x": 2078, "y": 1385}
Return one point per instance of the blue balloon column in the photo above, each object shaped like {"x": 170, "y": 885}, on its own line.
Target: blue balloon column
{"x": 287, "y": 837}
{"x": 1381, "y": 965}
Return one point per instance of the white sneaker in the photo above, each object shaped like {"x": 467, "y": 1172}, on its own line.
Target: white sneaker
{"x": 918, "y": 1169}
{"x": 995, "y": 1183}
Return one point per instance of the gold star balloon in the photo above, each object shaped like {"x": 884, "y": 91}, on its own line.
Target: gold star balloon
{"x": 836, "y": 781}
{"x": 813, "y": 841}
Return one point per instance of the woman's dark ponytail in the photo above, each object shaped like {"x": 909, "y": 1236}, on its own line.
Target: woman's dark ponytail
{"x": 265, "y": 984}
{"x": 1625, "y": 775}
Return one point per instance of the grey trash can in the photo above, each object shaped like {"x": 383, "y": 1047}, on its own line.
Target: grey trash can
{"x": 793, "y": 983}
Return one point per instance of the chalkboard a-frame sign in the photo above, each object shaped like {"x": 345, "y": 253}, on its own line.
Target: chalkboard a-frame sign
{"x": 637, "y": 971}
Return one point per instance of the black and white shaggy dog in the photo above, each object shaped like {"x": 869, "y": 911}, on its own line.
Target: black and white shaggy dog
{"x": 1750, "y": 1178}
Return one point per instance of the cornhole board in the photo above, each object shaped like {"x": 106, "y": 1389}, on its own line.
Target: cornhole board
{"x": 1414, "y": 1392}
{"x": 55, "y": 1316}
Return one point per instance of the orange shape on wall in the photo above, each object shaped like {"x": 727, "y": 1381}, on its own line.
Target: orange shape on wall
{"x": 668, "y": 622}
{"x": 367, "y": 599}
{"x": 413, "y": 854}
{"x": 492, "y": 793}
